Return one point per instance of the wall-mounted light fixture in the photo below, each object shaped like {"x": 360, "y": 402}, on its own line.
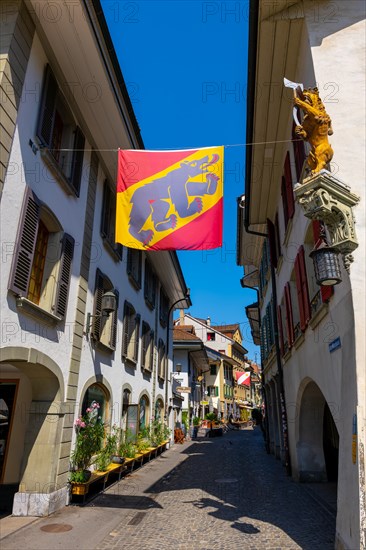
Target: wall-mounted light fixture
{"x": 108, "y": 306}
{"x": 326, "y": 265}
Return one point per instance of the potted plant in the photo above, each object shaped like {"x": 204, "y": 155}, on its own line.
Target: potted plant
{"x": 89, "y": 437}
{"x": 126, "y": 447}
{"x": 196, "y": 423}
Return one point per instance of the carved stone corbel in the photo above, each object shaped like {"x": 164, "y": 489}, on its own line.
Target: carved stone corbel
{"x": 324, "y": 197}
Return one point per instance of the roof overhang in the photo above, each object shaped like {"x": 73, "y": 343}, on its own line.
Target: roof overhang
{"x": 253, "y": 315}
{"x": 275, "y": 35}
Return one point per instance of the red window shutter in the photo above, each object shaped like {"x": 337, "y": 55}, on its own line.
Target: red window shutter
{"x": 284, "y": 200}
{"x": 272, "y": 242}
{"x": 299, "y": 152}
{"x": 25, "y": 244}
{"x": 280, "y": 330}
{"x": 326, "y": 292}
{"x": 277, "y": 237}
{"x": 289, "y": 189}
{"x": 289, "y": 317}
{"x": 63, "y": 284}
{"x": 302, "y": 289}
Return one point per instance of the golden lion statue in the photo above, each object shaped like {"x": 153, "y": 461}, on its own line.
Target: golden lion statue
{"x": 315, "y": 128}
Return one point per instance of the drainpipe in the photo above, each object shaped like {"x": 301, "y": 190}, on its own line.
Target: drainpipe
{"x": 277, "y": 347}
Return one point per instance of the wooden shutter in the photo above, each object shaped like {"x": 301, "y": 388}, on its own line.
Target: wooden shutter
{"x": 326, "y": 292}
{"x": 98, "y": 293}
{"x": 144, "y": 343}
{"x": 25, "y": 244}
{"x": 136, "y": 333}
{"x": 302, "y": 289}
{"x": 46, "y": 115}
{"x": 272, "y": 242}
{"x": 151, "y": 350}
{"x": 280, "y": 330}
{"x": 64, "y": 275}
{"x": 284, "y": 200}
{"x": 289, "y": 317}
{"x": 126, "y": 328}
{"x": 77, "y": 160}
{"x": 299, "y": 151}
{"x": 289, "y": 189}
{"x": 113, "y": 340}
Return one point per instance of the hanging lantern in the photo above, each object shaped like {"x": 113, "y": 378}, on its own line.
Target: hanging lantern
{"x": 326, "y": 265}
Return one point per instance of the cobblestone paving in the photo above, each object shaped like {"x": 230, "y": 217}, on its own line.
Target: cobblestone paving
{"x": 227, "y": 494}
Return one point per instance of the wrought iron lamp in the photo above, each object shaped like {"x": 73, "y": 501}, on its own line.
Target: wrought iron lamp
{"x": 326, "y": 265}
{"x": 108, "y": 306}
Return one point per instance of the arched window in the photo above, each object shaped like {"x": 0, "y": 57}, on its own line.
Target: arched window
{"x": 144, "y": 412}
{"x": 159, "y": 410}
{"x": 96, "y": 394}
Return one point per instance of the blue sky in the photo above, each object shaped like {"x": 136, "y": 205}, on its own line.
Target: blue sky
{"x": 184, "y": 64}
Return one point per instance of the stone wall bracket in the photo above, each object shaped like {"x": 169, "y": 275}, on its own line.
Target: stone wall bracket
{"x": 324, "y": 197}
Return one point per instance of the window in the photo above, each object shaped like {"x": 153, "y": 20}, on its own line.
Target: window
{"x": 147, "y": 354}
{"x": 318, "y": 231}
{"x": 149, "y": 285}
{"x": 273, "y": 241}
{"x": 287, "y": 192}
{"x": 159, "y": 410}
{"x": 131, "y": 333}
{"x": 211, "y": 336}
{"x": 96, "y": 394}
{"x": 213, "y": 370}
{"x": 108, "y": 221}
{"x": 144, "y": 412}
{"x": 134, "y": 264}
{"x": 164, "y": 308}
{"x": 42, "y": 260}
{"x": 161, "y": 359}
{"x": 213, "y": 391}
{"x": 281, "y": 333}
{"x": 104, "y": 328}
{"x": 61, "y": 139}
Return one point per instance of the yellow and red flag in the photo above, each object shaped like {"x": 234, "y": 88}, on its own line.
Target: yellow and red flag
{"x": 170, "y": 200}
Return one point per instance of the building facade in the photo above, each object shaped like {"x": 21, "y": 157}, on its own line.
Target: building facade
{"x": 65, "y": 111}
{"x": 312, "y": 337}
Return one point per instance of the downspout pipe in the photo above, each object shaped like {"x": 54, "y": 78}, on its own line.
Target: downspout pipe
{"x": 252, "y": 69}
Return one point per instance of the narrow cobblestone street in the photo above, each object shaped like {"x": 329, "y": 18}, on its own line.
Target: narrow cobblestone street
{"x": 221, "y": 493}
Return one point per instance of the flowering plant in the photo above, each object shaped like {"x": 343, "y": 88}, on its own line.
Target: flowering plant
{"x": 89, "y": 437}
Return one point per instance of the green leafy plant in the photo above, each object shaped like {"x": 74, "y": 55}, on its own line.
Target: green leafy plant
{"x": 89, "y": 438}
{"x": 211, "y": 416}
{"x": 196, "y": 421}
{"x": 103, "y": 460}
{"x": 79, "y": 476}
{"x": 126, "y": 446}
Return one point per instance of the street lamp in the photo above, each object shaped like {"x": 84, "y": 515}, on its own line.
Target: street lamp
{"x": 326, "y": 265}
{"x": 108, "y": 306}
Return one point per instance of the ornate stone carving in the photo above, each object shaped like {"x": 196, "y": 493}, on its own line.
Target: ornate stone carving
{"x": 323, "y": 197}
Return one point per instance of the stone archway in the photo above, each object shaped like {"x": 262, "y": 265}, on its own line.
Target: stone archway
{"x": 36, "y": 430}
{"x": 318, "y": 440}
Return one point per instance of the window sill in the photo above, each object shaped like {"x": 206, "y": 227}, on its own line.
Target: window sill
{"x": 279, "y": 263}
{"x": 111, "y": 249}
{"x": 136, "y": 284}
{"x": 299, "y": 340}
{"x": 101, "y": 346}
{"x": 57, "y": 172}
{"x": 129, "y": 362}
{"x": 37, "y": 312}
{"x": 318, "y": 316}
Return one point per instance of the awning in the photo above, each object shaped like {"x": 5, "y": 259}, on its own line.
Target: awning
{"x": 243, "y": 378}
{"x": 252, "y": 312}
